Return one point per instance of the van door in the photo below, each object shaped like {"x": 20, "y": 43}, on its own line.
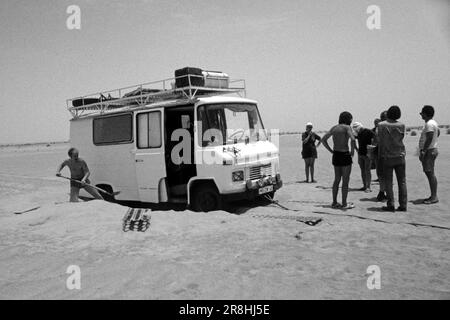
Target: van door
{"x": 149, "y": 153}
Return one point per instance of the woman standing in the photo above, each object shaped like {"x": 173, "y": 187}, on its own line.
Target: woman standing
{"x": 309, "y": 150}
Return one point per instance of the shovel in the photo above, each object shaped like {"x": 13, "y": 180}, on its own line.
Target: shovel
{"x": 99, "y": 189}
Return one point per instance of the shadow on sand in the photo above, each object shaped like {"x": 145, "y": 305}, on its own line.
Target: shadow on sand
{"x": 374, "y": 199}
{"x": 330, "y": 188}
{"x": 376, "y": 209}
{"x": 236, "y": 207}
{"x": 417, "y": 201}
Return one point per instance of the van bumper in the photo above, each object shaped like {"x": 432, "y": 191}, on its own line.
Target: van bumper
{"x": 252, "y": 188}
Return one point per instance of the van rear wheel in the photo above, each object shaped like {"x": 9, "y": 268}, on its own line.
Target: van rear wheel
{"x": 107, "y": 197}
{"x": 206, "y": 198}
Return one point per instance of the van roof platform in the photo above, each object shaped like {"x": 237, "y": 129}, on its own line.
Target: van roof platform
{"x": 131, "y": 97}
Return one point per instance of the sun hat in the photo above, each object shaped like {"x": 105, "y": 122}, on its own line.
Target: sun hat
{"x": 357, "y": 126}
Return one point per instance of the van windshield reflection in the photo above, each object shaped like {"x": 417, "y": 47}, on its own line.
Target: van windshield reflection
{"x": 229, "y": 123}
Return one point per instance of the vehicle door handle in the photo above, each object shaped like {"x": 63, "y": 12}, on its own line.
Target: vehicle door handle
{"x": 139, "y": 160}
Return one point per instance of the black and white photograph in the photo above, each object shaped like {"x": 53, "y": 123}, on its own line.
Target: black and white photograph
{"x": 239, "y": 151}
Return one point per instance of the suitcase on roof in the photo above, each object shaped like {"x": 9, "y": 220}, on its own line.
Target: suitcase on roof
{"x": 216, "y": 79}
{"x": 187, "y": 75}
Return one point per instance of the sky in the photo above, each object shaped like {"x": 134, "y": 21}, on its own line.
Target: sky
{"x": 303, "y": 60}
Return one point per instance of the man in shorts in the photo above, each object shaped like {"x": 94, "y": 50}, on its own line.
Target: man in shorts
{"x": 342, "y": 157}
{"x": 428, "y": 150}
{"x": 78, "y": 171}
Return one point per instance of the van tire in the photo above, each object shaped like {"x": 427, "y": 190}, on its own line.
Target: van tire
{"x": 206, "y": 198}
{"x": 105, "y": 196}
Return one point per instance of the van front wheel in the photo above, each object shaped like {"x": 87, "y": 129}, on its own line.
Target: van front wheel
{"x": 206, "y": 198}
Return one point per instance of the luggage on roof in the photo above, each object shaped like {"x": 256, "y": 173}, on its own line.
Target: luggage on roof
{"x": 189, "y": 76}
{"x": 216, "y": 79}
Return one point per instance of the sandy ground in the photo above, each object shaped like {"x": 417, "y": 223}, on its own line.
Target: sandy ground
{"x": 260, "y": 253}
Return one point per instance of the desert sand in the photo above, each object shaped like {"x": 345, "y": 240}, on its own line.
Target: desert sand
{"x": 256, "y": 252}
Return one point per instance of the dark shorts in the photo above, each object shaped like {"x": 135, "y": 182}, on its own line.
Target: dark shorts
{"x": 309, "y": 153}
{"x": 428, "y": 160}
{"x": 77, "y": 184}
{"x": 364, "y": 162}
{"x": 342, "y": 159}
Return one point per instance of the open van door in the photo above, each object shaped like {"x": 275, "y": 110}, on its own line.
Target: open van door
{"x": 149, "y": 153}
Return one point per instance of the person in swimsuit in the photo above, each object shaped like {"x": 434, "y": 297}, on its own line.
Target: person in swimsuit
{"x": 309, "y": 151}
{"x": 78, "y": 171}
{"x": 342, "y": 157}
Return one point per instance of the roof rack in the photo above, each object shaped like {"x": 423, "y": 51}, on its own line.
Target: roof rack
{"x": 147, "y": 93}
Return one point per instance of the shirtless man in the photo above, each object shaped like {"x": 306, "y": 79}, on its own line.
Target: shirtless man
{"x": 342, "y": 157}
{"x": 78, "y": 171}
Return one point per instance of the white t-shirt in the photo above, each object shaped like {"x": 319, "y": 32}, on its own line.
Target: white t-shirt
{"x": 430, "y": 126}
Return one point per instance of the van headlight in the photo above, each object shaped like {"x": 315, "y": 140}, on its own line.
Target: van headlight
{"x": 237, "y": 176}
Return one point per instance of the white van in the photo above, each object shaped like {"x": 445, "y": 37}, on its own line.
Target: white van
{"x": 193, "y": 145}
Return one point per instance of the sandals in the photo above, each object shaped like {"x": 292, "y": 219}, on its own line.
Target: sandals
{"x": 336, "y": 205}
{"x": 340, "y": 206}
{"x": 348, "y": 206}
{"x": 430, "y": 201}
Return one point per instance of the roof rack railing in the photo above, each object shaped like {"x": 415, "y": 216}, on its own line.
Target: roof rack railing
{"x": 151, "y": 92}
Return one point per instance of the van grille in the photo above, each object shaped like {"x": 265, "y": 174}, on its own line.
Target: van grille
{"x": 258, "y": 172}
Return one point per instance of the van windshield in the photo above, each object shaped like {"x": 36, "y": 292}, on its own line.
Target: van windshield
{"x": 229, "y": 123}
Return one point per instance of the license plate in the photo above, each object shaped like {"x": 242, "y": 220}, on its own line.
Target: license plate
{"x": 265, "y": 189}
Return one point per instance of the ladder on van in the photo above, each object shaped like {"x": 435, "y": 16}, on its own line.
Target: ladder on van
{"x": 147, "y": 93}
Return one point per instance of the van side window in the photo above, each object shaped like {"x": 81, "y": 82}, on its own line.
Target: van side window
{"x": 113, "y": 129}
{"x": 149, "y": 130}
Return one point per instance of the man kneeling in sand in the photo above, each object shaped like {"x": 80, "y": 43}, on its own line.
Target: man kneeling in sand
{"x": 78, "y": 171}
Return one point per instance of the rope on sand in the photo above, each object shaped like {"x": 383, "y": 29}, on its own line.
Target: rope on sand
{"x": 384, "y": 221}
{"x": 311, "y": 221}
{"x": 359, "y": 217}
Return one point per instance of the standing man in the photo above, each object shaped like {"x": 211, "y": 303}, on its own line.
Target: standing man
{"x": 78, "y": 171}
{"x": 342, "y": 157}
{"x": 391, "y": 154}
{"x": 379, "y": 168}
{"x": 309, "y": 150}
{"x": 364, "y": 137}
{"x": 429, "y": 151}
